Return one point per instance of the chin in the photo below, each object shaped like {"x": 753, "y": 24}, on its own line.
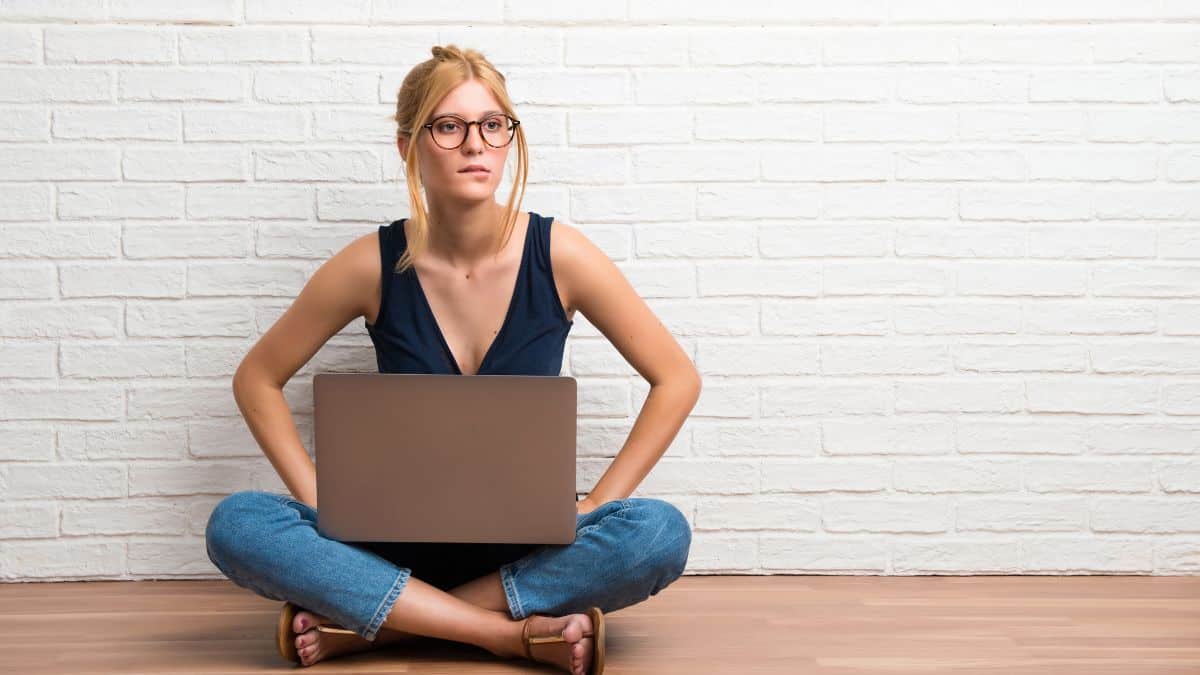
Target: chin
{"x": 477, "y": 189}
{"x": 477, "y": 195}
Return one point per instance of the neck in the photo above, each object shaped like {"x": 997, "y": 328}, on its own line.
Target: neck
{"x": 464, "y": 234}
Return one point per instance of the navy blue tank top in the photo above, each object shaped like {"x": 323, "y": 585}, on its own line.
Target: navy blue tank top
{"x": 408, "y": 339}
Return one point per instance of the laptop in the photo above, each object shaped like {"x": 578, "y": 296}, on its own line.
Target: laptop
{"x": 445, "y": 458}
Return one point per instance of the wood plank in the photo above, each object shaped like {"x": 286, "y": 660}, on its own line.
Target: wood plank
{"x": 700, "y": 624}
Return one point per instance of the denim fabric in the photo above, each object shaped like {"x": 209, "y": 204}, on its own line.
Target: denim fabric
{"x": 624, "y": 552}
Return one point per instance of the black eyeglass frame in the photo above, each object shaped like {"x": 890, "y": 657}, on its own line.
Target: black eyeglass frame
{"x": 515, "y": 124}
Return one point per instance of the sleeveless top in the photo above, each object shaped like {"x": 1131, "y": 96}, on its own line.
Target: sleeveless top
{"x": 408, "y": 339}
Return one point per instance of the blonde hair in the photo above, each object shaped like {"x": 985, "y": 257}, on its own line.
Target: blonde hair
{"x": 424, "y": 86}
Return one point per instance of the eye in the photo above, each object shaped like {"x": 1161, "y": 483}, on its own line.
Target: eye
{"x": 494, "y": 124}
{"x": 442, "y": 126}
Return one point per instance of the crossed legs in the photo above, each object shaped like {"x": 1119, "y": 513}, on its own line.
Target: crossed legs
{"x": 624, "y": 552}
{"x": 475, "y": 612}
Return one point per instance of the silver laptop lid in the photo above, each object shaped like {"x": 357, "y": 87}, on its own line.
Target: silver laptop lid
{"x": 445, "y": 458}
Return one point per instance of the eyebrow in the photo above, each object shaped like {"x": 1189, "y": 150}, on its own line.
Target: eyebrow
{"x": 485, "y": 112}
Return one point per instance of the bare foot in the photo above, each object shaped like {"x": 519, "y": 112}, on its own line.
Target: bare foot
{"x": 315, "y": 646}
{"x": 574, "y": 655}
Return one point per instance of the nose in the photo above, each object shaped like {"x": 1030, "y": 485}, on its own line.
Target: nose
{"x": 474, "y": 142}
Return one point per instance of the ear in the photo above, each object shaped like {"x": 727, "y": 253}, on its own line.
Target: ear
{"x": 402, "y": 145}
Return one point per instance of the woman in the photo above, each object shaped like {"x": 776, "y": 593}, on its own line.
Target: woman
{"x": 464, "y": 286}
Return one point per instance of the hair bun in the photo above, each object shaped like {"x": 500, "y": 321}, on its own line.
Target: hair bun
{"x": 447, "y": 52}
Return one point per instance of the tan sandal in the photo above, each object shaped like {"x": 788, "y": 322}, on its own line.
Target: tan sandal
{"x": 597, "y": 635}
{"x": 285, "y": 636}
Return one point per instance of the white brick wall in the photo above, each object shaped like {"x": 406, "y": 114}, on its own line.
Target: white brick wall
{"x": 939, "y": 262}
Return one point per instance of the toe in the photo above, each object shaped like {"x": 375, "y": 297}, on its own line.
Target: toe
{"x": 306, "y": 621}
{"x": 301, "y": 622}
{"x": 573, "y": 632}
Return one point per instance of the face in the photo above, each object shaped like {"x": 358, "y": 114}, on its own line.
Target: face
{"x": 442, "y": 172}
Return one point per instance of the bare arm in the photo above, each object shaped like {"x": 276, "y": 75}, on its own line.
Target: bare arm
{"x": 270, "y": 420}
{"x": 601, "y": 292}
{"x": 337, "y": 293}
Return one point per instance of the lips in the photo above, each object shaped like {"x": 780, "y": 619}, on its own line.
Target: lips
{"x": 474, "y": 169}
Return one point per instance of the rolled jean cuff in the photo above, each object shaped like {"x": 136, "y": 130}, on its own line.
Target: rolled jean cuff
{"x": 385, "y": 607}
{"x": 507, "y": 579}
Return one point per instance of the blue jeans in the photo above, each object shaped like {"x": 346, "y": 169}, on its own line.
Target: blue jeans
{"x": 624, "y": 551}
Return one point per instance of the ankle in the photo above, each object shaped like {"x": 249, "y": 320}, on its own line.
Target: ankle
{"x": 508, "y": 643}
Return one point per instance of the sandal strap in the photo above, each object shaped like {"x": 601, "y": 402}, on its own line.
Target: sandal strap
{"x": 525, "y": 638}
{"x": 529, "y": 641}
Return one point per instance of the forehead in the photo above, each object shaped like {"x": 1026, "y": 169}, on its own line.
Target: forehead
{"x": 458, "y": 113}
{"x": 471, "y": 100}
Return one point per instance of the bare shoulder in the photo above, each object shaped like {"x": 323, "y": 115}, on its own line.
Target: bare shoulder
{"x": 364, "y": 249}
{"x": 335, "y": 295}
{"x": 346, "y": 277}
{"x": 599, "y": 290}
{"x": 364, "y": 254}
{"x": 571, "y": 254}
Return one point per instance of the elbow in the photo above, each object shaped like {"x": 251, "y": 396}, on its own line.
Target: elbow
{"x": 244, "y": 377}
{"x": 681, "y": 379}
{"x": 250, "y": 373}
{"x": 694, "y": 383}
{"x": 238, "y": 384}
{"x": 239, "y": 377}
{"x": 693, "y": 376}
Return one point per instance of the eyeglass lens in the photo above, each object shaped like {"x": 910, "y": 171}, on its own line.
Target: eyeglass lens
{"x": 451, "y": 132}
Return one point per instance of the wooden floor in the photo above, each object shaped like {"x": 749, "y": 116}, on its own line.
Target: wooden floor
{"x": 700, "y": 624}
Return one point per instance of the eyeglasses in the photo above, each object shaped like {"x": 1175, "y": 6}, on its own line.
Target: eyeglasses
{"x": 450, "y": 131}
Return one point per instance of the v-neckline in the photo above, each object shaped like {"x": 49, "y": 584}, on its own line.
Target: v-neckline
{"x": 512, "y": 301}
